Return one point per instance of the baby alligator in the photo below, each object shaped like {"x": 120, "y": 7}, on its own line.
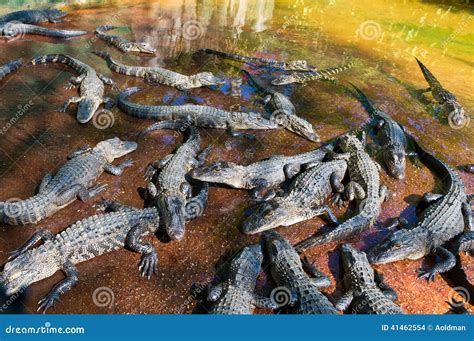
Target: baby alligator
{"x": 294, "y": 65}
{"x": 172, "y": 188}
{"x": 197, "y": 115}
{"x": 391, "y": 137}
{"x": 82, "y": 241}
{"x": 303, "y": 77}
{"x": 158, "y": 75}
{"x": 14, "y": 29}
{"x": 260, "y": 176}
{"x": 303, "y": 201}
{"x": 295, "y": 287}
{"x": 364, "y": 295}
{"x": 236, "y": 294}
{"x": 10, "y": 67}
{"x": 76, "y": 179}
{"x": 456, "y": 114}
{"x": 283, "y": 111}
{"x": 35, "y": 16}
{"x": 443, "y": 219}
{"x": 91, "y": 85}
{"x": 122, "y": 44}
{"x": 364, "y": 186}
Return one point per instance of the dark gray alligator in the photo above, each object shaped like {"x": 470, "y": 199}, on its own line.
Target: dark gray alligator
{"x": 35, "y": 16}
{"x": 260, "y": 176}
{"x": 283, "y": 111}
{"x": 158, "y": 75}
{"x": 364, "y": 295}
{"x": 76, "y": 179}
{"x": 122, "y": 44}
{"x": 304, "y": 77}
{"x": 91, "y": 85}
{"x": 14, "y": 29}
{"x": 295, "y": 288}
{"x": 172, "y": 188}
{"x": 197, "y": 115}
{"x": 293, "y": 65}
{"x": 88, "y": 238}
{"x": 448, "y": 102}
{"x": 10, "y": 67}
{"x": 304, "y": 199}
{"x": 236, "y": 294}
{"x": 443, "y": 219}
{"x": 364, "y": 186}
{"x": 391, "y": 137}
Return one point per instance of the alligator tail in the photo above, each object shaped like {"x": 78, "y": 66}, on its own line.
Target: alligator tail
{"x": 253, "y": 83}
{"x": 364, "y": 100}
{"x": 351, "y": 226}
{"x": 104, "y": 28}
{"x": 59, "y": 58}
{"x": 329, "y": 72}
{"x": 10, "y": 67}
{"x": 21, "y": 29}
{"x": 430, "y": 78}
{"x": 196, "y": 206}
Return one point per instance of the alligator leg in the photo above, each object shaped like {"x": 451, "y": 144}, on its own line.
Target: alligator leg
{"x": 384, "y": 193}
{"x": 87, "y": 193}
{"x": 319, "y": 210}
{"x": 426, "y": 200}
{"x": 43, "y": 235}
{"x": 319, "y": 279}
{"x": 447, "y": 262}
{"x": 345, "y": 301}
{"x": 291, "y": 169}
{"x": 264, "y": 302}
{"x": 109, "y": 103}
{"x": 186, "y": 189}
{"x": 79, "y": 191}
{"x": 196, "y": 205}
{"x": 336, "y": 184}
{"x": 215, "y": 292}
{"x": 467, "y": 214}
{"x": 151, "y": 189}
{"x": 149, "y": 261}
{"x": 66, "y": 104}
{"x": 44, "y": 182}
{"x": 75, "y": 81}
{"x": 108, "y": 81}
{"x": 353, "y": 191}
{"x": 62, "y": 287}
{"x": 201, "y": 159}
{"x": 153, "y": 168}
{"x": 112, "y": 206}
{"x": 118, "y": 170}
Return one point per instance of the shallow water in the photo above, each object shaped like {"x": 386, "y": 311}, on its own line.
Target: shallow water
{"x": 381, "y": 37}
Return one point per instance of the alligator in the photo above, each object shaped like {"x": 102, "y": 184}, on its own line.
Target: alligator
{"x": 295, "y": 288}
{"x": 76, "y": 179}
{"x": 122, "y": 226}
{"x": 10, "y": 67}
{"x": 197, "y": 115}
{"x": 443, "y": 219}
{"x": 283, "y": 111}
{"x": 236, "y": 294}
{"x": 304, "y": 199}
{"x": 158, "y": 75}
{"x": 13, "y": 29}
{"x": 172, "y": 188}
{"x": 260, "y": 176}
{"x": 448, "y": 102}
{"x": 91, "y": 85}
{"x": 391, "y": 137}
{"x": 293, "y": 65}
{"x": 304, "y": 77}
{"x": 364, "y": 295}
{"x": 35, "y": 16}
{"x": 122, "y": 44}
{"x": 364, "y": 186}
{"x": 469, "y": 168}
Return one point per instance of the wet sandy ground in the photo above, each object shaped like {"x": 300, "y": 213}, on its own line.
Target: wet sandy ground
{"x": 42, "y": 138}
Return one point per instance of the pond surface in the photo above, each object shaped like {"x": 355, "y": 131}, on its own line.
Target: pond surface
{"x": 381, "y": 37}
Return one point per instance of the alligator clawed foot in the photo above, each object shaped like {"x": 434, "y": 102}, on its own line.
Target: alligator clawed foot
{"x": 14, "y": 254}
{"x": 148, "y": 264}
{"x": 338, "y": 200}
{"x": 430, "y": 275}
{"x": 47, "y": 302}
{"x": 149, "y": 173}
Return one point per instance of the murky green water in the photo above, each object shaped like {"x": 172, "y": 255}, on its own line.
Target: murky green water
{"x": 381, "y": 37}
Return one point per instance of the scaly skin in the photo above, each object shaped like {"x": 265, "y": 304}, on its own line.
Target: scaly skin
{"x": 197, "y": 115}
{"x": 13, "y": 29}
{"x": 122, "y": 44}
{"x": 364, "y": 186}
{"x": 76, "y": 179}
{"x": 303, "y": 77}
{"x": 443, "y": 219}
{"x": 293, "y": 65}
{"x": 283, "y": 111}
{"x": 158, "y": 75}
{"x": 10, "y": 67}
{"x": 35, "y": 16}
{"x": 235, "y": 295}
{"x": 172, "y": 187}
{"x": 304, "y": 199}
{"x": 456, "y": 114}
{"x": 391, "y": 137}
{"x": 301, "y": 291}
{"x": 91, "y": 85}
{"x": 259, "y": 176}
{"x": 84, "y": 240}
{"x": 363, "y": 295}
